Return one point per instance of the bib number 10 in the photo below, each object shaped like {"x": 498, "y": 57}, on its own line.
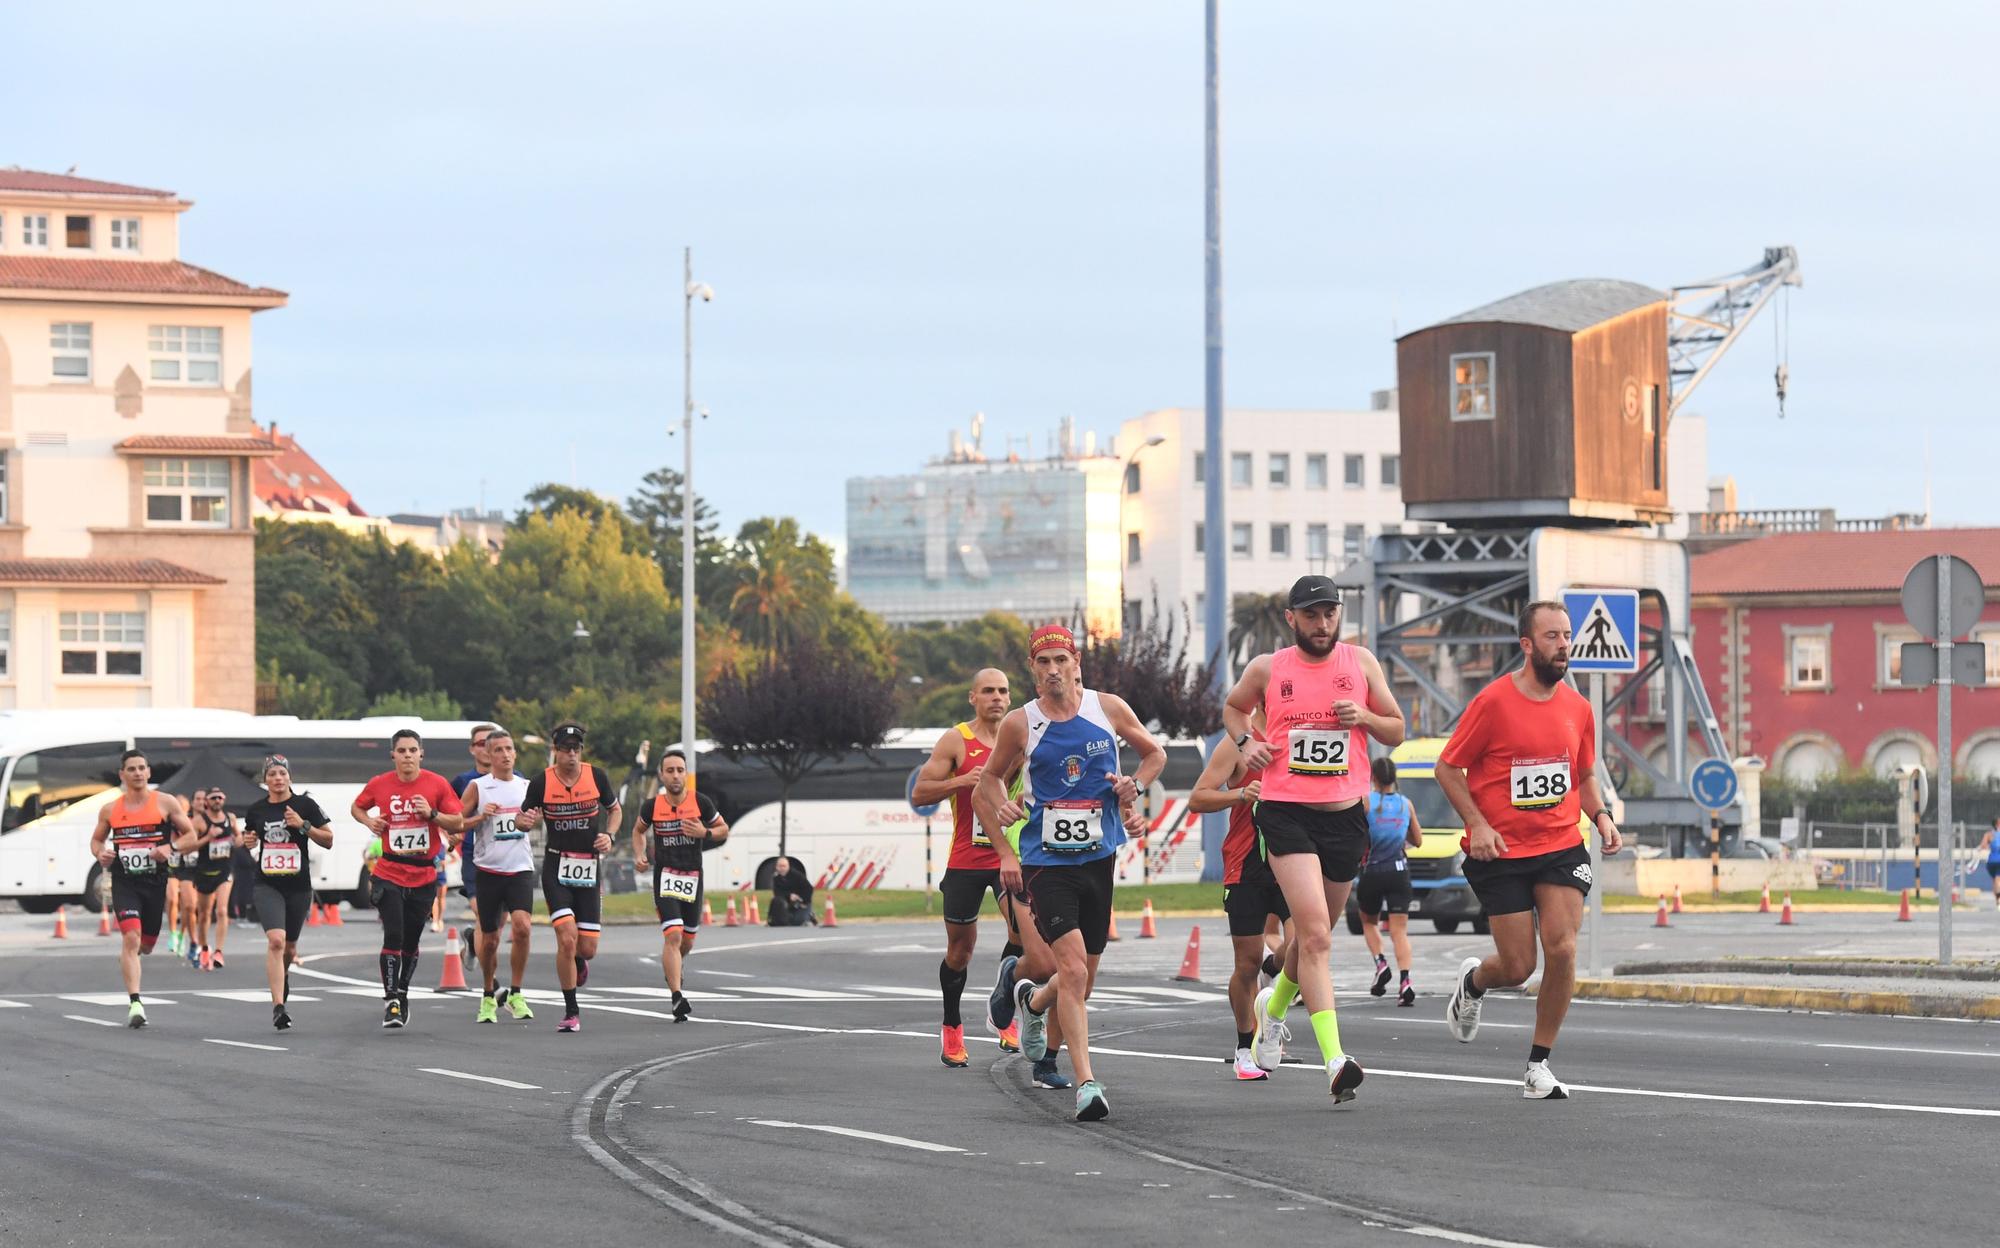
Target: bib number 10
{"x": 1318, "y": 752}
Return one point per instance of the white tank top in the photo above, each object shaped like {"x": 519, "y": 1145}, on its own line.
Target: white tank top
{"x": 498, "y": 845}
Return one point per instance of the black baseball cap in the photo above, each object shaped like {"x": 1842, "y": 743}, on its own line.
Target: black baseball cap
{"x": 1312, "y": 591}
{"x": 567, "y": 736}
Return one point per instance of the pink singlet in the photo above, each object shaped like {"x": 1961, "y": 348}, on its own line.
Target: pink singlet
{"x": 1313, "y": 759}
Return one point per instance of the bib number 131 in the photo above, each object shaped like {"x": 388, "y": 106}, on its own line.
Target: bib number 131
{"x": 1318, "y": 752}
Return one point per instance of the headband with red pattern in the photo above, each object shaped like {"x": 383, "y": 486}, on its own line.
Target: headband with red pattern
{"x": 1051, "y": 637}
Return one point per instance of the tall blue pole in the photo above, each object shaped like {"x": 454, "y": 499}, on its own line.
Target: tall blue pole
{"x": 1215, "y": 614}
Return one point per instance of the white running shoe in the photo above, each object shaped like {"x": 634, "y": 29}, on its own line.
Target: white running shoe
{"x": 1247, "y": 1068}
{"x": 1268, "y": 1049}
{"x": 1461, "y": 1014}
{"x": 1343, "y": 1075}
{"x": 1541, "y": 1084}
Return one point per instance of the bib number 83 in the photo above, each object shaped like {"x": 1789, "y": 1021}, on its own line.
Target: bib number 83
{"x": 1072, "y": 828}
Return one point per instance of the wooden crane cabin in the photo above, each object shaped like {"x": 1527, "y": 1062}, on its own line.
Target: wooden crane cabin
{"x": 1547, "y": 407}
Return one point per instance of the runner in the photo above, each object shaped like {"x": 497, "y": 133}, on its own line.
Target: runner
{"x": 132, "y": 842}
{"x": 571, "y": 796}
{"x": 1322, "y": 700}
{"x": 1077, "y": 804}
{"x": 276, "y": 829}
{"x": 214, "y": 873}
{"x": 419, "y": 813}
{"x": 1991, "y": 844}
{"x": 181, "y": 897}
{"x": 1384, "y": 887}
{"x": 1250, "y": 893}
{"x": 468, "y": 882}
{"x": 972, "y": 869}
{"x": 1523, "y": 754}
{"x": 498, "y": 851}
{"x": 682, "y": 826}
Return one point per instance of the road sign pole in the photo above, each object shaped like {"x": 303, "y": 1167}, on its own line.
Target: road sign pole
{"x": 927, "y": 865}
{"x": 1592, "y": 949}
{"x": 1946, "y": 850}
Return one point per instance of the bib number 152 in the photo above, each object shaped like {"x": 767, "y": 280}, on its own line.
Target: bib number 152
{"x": 1317, "y": 752}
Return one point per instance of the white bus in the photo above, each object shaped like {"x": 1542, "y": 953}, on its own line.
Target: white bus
{"x": 58, "y": 767}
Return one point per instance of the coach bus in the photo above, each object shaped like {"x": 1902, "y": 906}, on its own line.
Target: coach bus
{"x": 58, "y": 767}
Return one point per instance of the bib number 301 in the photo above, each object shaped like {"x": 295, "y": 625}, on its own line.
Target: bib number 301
{"x": 577, "y": 870}
{"x": 1072, "y": 827}
{"x": 1318, "y": 752}
{"x": 1538, "y": 783}
{"x": 136, "y": 859}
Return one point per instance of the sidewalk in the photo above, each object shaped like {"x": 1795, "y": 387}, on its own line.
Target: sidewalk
{"x": 1847, "y": 985}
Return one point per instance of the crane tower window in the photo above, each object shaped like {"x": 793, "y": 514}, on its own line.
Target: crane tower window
{"x": 1472, "y": 386}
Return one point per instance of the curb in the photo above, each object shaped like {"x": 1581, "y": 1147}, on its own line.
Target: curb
{"x": 1798, "y": 907}
{"x": 1823, "y": 1000}
{"x": 1972, "y": 972}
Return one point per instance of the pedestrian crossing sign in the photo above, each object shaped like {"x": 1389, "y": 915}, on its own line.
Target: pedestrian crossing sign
{"x": 1604, "y": 629}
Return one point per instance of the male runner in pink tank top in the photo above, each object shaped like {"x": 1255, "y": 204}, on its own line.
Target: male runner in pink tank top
{"x": 1322, "y": 700}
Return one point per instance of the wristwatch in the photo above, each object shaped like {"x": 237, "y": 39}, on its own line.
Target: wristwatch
{"x": 1240, "y": 740}
{"x": 1599, "y": 815}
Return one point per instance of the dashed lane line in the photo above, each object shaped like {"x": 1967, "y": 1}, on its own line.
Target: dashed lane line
{"x": 245, "y": 1044}
{"x": 494, "y": 1080}
{"x": 853, "y": 1133}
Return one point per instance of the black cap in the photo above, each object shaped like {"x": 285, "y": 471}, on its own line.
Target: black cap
{"x": 567, "y": 736}
{"x": 1312, "y": 591}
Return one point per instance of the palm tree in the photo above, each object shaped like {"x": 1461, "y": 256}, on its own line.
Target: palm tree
{"x": 786, "y": 579}
{"x": 1256, "y": 626}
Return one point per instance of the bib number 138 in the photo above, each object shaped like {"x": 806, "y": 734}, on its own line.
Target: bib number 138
{"x": 1538, "y": 783}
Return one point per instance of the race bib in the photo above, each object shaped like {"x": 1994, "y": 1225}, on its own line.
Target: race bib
{"x": 979, "y": 836}
{"x": 679, "y": 885}
{"x": 409, "y": 842}
{"x": 136, "y": 859}
{"x": 1072, "y": 827}
{"x": 287, "y": 859}
{"x": 1318, "y": 751}
{"x": 1538, "y": 783}
{"x": 577, "y": 870}
{"x": 503, "y": 826}
{"x": 218, "y": 851}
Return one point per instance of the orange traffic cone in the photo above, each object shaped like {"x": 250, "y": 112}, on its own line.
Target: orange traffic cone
{"x": 62, "y": 924}
{"x": 1764, "y": 903}
{"x": 453, "y": 978}
{"x": 1191, "y": 961}
{"x": 312, "y": 916}
{"x": 1146, "y": 929}
{"x": 750, "y": 914}
{"x": 831, "y": 921}
{"x": 1785, "y": 915}
{"x": 1903, "y": 914}
{"x": 707, "y": 912}
{"x": 1677, "y": 899}
{"x": 104, "y": 921}
{"x": 1112, "y": 933}
{"x": 1660, "y": 915}
{"x": 333, "y": 914}
{"x": 729, "y": 918}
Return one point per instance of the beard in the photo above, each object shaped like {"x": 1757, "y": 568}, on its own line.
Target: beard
{"x": 1312, "y": 645}
{"x": 1549, "y": 671}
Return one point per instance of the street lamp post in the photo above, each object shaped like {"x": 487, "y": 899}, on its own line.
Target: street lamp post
{"x": 690, "y": 290}
{"x": 1125, "y": 475}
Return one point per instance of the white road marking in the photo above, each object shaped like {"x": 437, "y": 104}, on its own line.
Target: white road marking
{"x": 710, "y": 951}
{"x": 462, "y": 1074}
{"x": 801, "y": 994}
{"x": 111, "y": 998}
{"x": 667, "y": 994}
{"x": 702, "y": 970}
{"x": 15, "y": 1005}
{"x": 85, "y": 1018}
{"x": 251, "y": 996}
{"x": 245, "y": 1044}
{"x": 1898, "y": 1048}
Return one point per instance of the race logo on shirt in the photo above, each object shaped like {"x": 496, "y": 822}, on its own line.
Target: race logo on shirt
{"x": 1344, "y": 683}
{"x": 1285, "y": 690}
{"x": 1072, "y": 769}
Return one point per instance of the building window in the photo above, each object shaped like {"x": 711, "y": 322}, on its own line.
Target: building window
{"x": 1392, "y": 470}
{"x": 1351, "y": 540}
{"x": 1239, "y": 541}
{"x": 1316, "y": 542}
{"x": 1200, "y": 536}
{"x": 1990, "y": 638}
{"x": 1281, "y": 469}
{"x": 125, "y": 234}
{"x": 188, "y": 491}
{"x": 5, "y": 498}
{"x": 1281, "y": 541}
{"x": 1472, "y": 386}
{"x": 76, "y": 233}
{"x": 1200, "y": 467}
{"x": 1132, "y": 478}
{"x": 1239, "y": 470}
{"x": 1353, "y": 471}
{"x": 1131, "y": 548}
{"x": 35, "y": 229}
{"x": 1315, "y": 472}
{"x": 69, "y": 341}
{"x": 1807, "y": 654}
{"x": 1889, "y": 657}
{"x": 190, "y": 353}
{"x": 102, "y": 643}
{"x": 6, "y": 643}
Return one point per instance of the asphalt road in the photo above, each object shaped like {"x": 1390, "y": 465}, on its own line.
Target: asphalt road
{"x": 805, "y": 1104}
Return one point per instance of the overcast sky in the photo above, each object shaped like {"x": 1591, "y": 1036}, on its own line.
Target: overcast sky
{"x": 915, "y": 211}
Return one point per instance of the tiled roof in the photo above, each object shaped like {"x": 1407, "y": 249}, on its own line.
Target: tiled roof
{"x": 1831, "y": 563}
{"x": 294, "y": 481}
{"x": 139, "y": 277}
{"x": 171, "y": 443}
{"x": 1571, "y": 306}
{"x": 100, "y": 572}
{"x": 67, "y": 184}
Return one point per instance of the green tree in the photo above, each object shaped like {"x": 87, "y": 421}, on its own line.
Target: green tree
{"x": 1151, "y": 668}
{"x": 429, "y": 704}
{"x": 784, "y": 583}
{"x": 656, "y": 507}
{"x": 558, "y": 571}
{"x": 547, "y": 499}
{"x": 1257, "y": 626}
{"x": 936, "y": 663}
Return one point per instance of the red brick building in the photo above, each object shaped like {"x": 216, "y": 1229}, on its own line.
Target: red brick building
{"x": 1798, "y": 637}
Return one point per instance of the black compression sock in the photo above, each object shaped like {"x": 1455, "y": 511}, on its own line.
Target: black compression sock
{"x": 391, "y": 972}
{"x": 134, "y": 996}
{"x": 1012, "y": 950}
{"x": 1470, "y": 990}
{"x": 1405, "y": 977}
{"x": 1243, "y": 1039}
{"x": 953, "y": 983}
{"x": 1381, "y": 960}
{"x": 569, "y": 1000}
{"x": 1271, "y": 965}
{"x": 406, "y": 972}
{"x": 1538, "y": 1053}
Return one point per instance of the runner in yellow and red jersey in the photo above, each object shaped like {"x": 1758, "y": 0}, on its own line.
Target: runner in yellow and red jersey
{"x": 417, "y": 816}
{"x": 1250, "y": 892}
{"x": 571, "y": 798}
{"x": 136, "y": 831}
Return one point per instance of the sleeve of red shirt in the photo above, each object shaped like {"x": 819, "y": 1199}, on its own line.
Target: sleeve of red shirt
{"x": 1466, "y": 739}
{"x": 366, "y": 799}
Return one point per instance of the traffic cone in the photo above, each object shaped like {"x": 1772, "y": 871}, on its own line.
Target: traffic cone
{"x": 1146, "y": 929}
{"x": 104, "y": 921}
{"x": 333, "y": 915}
{"x": 1191, "y": 961}
{"x": 1677, "y": 899}
{"x": 1785, "y": 916}
{"x": 729, "y": 918}
{"x": 312, "y": 916}
{"x": 1112, "y": 933}
{"x": 453, "y": 977}
{"x": 62, "y": 924}
{"x": 1660, "y": 915}
{"x": 1902, "y": 915}
{"x": 750, "y": 914}
{"x": 831, "y": 921}
{"x": 707, "y": 912}
{"x": 1764, "y": 903}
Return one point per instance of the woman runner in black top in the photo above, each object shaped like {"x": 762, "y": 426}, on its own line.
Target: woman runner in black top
{"x": 276, "y": 829}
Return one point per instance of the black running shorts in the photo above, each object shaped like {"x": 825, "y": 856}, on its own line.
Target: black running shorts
{"x": 1377, "y": 892}
{"x": 1072, "y": 899}
{"x": 678, "y": 912}
{"x": 497, "y": 894}
{"x": 584, "y": 903}
{"x": 1248, "y": 902}
{"x": 139, "y": 904}
{"x": 282, "y": 909}
{"x": 1507, "y": 885}
{"x": 965, "y": 890}
{"x": 1338, "y": 837}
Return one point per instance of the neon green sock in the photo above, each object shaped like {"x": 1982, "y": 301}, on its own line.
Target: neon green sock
{"x": 1326, "y": 1029}
{"x": 1283, "y": 993}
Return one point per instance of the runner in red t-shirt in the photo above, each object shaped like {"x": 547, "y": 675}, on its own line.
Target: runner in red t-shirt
{"x": 1522, "y": 756}
{"x": 1250, "y": 895}
{"x": 418, "y": 816}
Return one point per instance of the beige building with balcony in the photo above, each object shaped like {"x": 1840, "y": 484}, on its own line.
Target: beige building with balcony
{"x": 126, "y": 445}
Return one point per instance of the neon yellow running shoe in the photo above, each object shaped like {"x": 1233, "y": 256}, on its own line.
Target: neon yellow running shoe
{"x": 489, "y": 1011}
{"x": 517, "y": 1005}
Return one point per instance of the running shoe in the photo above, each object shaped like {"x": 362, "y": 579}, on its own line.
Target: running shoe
{"x": 582, "y": 970}
{"x": 952, "y": 1047}
{"x": 1247, "y": 1068}
{"x": 1047, "y": 1076}
{"x": 1461, "y": 1014}
{"x": 570, "y": 1022}
{"x": 1407, "y": 997}
{"x": 207, "y": 960}
{"x": 174, "y": 943}
{"x": 194, "y": 955}
{"x": 1343, "y": 1075}
{"x": 1000, "y": 1002}
{"x": 489, "y": 1011}
{"x": 682, "y": 1009}
{"x": 437, "y": 925}
{"x": 1034, "y": 1027}
{"x": 215, "y": 960}
{"x": 1381, "y": 984}
{"x": 392, "y": 1013}
{"x": 280, "y": 1018}
{"x": 135, "y": 1016}
{"x": 517, "y": 1005}
{"x": 1090, "y": 1103}
{"x": 1268, "y": 1049}
{"x": 1541, "y": 1084}
{"x": 1010, "y": 1039}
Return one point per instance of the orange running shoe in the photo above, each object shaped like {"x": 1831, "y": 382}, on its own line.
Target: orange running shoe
{"x": 1010, "y": 1039}
{"x": 207, "y": 962}
{"x": 954, "y": 1053}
